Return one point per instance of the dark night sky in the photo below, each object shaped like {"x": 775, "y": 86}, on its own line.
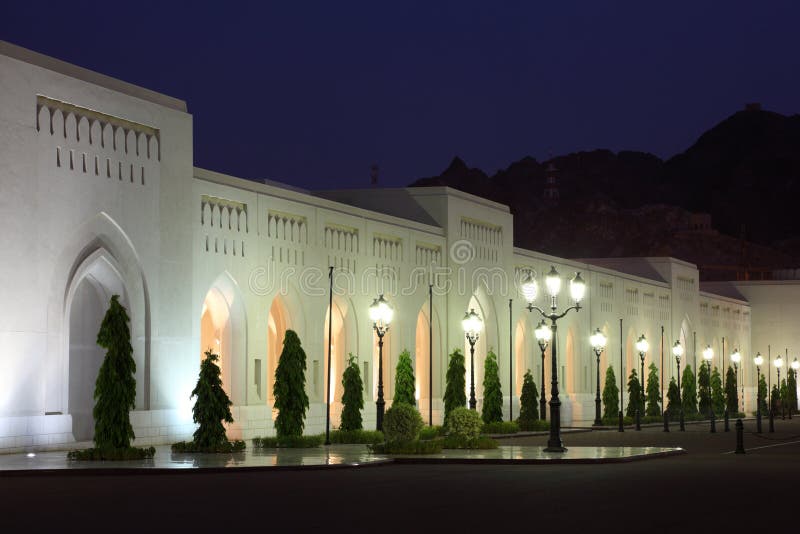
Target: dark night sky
{"x": 313, "y": 93}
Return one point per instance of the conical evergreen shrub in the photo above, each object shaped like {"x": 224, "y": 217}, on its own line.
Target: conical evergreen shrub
{"x": 291, "y": 400}
{"x": 763, "y": 393}
{"x": 115, "y": 389}
{"x": 352, "y": 396}
{"x": 634, "y": 395}
{"x": 212, "y": 406}
{"x": 731, "y": 391}
{"x": 610, "y": 395}
{"x": 689, "y": 391}
{"x": 653, "y": 392}
{"x": 404, "y": 383}
{"x": 704, "y": 390}
{"x": 673, "y": 400}
{"x": 717, "y": 396}
{"x": 792, "y": 385}
{"x": 528, "y": 401}
{"x": 455, "y": 395}
{"x": 492, "y": 394}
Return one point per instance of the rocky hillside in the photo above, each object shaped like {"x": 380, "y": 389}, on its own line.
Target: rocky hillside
{"x": 745, "y": 172}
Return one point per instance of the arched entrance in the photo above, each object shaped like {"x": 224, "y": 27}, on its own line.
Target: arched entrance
{"x": 422, "y": 359}
{"x": 344, "y": 342}
{"x": 223, "y": 325}
{"x": 277, "y": 325}
{"x": 95, "y": 281}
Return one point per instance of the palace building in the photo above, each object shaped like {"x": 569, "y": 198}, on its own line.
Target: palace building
{"x": 100, "y": 197}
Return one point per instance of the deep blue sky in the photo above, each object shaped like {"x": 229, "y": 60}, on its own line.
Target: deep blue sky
{"x": 312, "y": 93}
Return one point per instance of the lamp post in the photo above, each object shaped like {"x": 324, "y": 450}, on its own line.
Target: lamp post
{"x": 577, "y": 289}
{"x": 778, "y": 364}
{"x": 708, "y": 355}
{"x": 381, "y": 315}
{"x": 795, "y": 367}
{"x": 642, "y": 346}
{"x": 758, "y": 360}
{"x": 472, "y": 325}
{"x": 677, "y": 351}
{"x": 736, "y": 357}
{"x": 543, "y": 336}
{"x": 598, "y": 342}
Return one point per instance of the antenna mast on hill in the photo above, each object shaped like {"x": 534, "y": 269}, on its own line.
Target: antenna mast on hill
{"x": 373, "y": 174}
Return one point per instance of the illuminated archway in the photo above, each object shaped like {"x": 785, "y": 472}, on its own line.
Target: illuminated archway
{"x": 223, "y": 326}
{"x": 422, "y": 358}
{"x": 95, "y": 281}
{"x": 278, "y": 323}
{"x": 487, "y": 340}
{"x": 345, "y": 341}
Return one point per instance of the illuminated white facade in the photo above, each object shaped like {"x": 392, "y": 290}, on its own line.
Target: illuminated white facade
{"x": 100, "y": 196}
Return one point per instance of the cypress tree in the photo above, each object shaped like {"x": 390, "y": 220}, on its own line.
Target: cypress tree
{"x": 492, "y": 394}
{"x": 689, "y": 391}
{"x": 404, "y": 384}
{"x": 352, "y": 396}
{"x": 212, "y": 406}
{"x": 610, "y": 395}
{"x": 717, "y": 397}
{"x": 792, "y": 385}
{"x": 731, "y": 393}
{"x": 704, "y": 391}
{"x": 634, "y": 395}
{"x": 455, "y": 395}
{"x": 776, "y": 398}
{"x": 673, "y": 400}
{"x": 291, "y": 400}
{"x": 115, "y": 389}
{"x": 763, "y": 393}
{"x": 653, "y": 392}
{"x": 528, "y": 400}
{"x": 784, "y": 395}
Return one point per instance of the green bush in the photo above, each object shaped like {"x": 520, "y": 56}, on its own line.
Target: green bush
{"x": 481, "y": 442}
{"x": 635, "y": 399}
{"x": 192, "y": 446}
{"x": 492, "y": 393}
{"x": 352, "y": 396}
{"x": 731, "y": 391}
{"x": 717, "y": 396}
{"x": 115, "y": 388}
{"x": 463, "y": 424}
{"x": 528, "y": 400}
{"x": 704, "y": 390}
{"x": 762, "y": 388}
{"x": 402, "y": 422}
{"x": 404, "y": 383}
{"x": 431, "y": 432}
{"x": 653, "y": 390}
{"x": 289, "y": 442}
{"x": 610, "y": 395}
{"x": 537, "y": 425}
{"x": 356, "y": 436}
{"x": 112, "y": 454}
{"x": 211, "y": 408}
{"x": 688, "y": 392}
{"x": 409, "y": 447}
{"x": 291, "y": 400}
{"x": 454, "y": 394}
{"x": 673, "y": 401}
{"x": 500, "y": 427}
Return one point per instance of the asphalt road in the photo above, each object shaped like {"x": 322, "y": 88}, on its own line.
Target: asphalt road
{"x": 705, "y": 488}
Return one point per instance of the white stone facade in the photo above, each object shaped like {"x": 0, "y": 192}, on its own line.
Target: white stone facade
{"x": 100, "y": 196}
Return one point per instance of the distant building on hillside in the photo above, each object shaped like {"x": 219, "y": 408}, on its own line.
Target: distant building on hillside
{"x": 551, "y": 193}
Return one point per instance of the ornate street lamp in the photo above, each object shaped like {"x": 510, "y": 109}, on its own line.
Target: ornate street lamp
{"x": 795, "y": 368}
{"x": 380, "y": 313}
{"x": 543, "y": 336}
{"x": 736, "y": 357}
{"x": 778, "y": 364}
{"x": 472, "y": 325}
{"x": 577, "y": 289}
{"x": 708, "y": 355}
{"x": 677, "y": 351}
{"x": 598, "y": 342}
{"x": 642, "y": 346}
{"x": 759, "y": 361}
